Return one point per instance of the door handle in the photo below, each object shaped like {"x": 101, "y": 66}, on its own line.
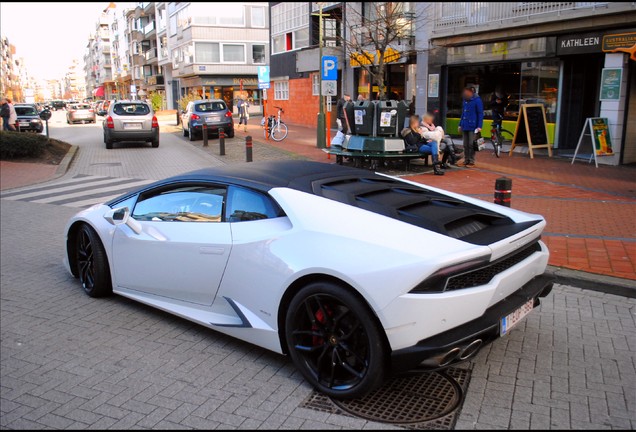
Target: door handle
{"x": 210, "y": 250}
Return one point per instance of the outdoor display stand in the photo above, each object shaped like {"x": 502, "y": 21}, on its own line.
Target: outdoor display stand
{"x": 597, "y": 128}
{"x": 531, "y": 129}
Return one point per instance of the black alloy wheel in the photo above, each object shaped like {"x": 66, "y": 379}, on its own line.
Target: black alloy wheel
{"x": 92, "y": 264}
{"x": 335, "y": 341}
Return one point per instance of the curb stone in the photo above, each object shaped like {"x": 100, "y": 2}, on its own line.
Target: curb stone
{"x": 66, "y": 162}
{"x": 593, "y": 282}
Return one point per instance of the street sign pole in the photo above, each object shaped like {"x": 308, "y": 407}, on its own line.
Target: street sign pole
{"x": 320, "y": 137}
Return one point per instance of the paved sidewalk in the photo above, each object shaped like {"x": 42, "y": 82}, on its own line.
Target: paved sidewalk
{"x": 590, "y": 211}
{"x": 18, "y": 174}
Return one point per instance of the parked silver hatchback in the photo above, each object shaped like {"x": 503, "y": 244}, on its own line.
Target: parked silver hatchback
{"x": 130, "y": 121}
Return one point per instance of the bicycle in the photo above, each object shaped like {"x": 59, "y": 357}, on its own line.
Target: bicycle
{"x": 274, "y": 127}
{"x": 497, "y": 133}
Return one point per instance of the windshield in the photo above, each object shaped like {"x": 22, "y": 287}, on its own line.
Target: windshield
{"x": 131, "y": 109}
{"x": 25, "y": 111}
{"x": 210, "y": 107}
{"x": 81, "y": 107}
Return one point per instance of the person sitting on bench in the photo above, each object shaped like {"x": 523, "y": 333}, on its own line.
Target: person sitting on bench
{"x": 415, "y": 142}
{"x": 435, "y": 133}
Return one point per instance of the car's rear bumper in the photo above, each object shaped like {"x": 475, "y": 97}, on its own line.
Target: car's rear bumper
{"x": 214, "y": 127}
{"x": 78, "y": 117}
{"x": 132, "y": 135}
{"x": 463, "y": 342}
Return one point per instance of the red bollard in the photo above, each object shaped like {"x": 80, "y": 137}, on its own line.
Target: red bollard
{"x": 248, "y": 149}
{"x": 221, "y": 141}
{"x": 204, "y": 128}
{"x": 503, "y": 191}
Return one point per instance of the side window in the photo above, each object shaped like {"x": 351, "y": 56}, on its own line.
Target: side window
{"x": 247, "y": 205}
{"x": 183, "y": 203}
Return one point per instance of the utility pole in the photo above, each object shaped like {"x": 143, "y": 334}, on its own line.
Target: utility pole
{"x": 321, "y": 138}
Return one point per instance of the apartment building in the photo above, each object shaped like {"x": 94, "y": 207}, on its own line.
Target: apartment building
{"x": 98, "y": 70}
{"x": 10, "y": 83}
{"x": 551, "y": 53}
{"x": 74, "y": 87}
{"x": 214, "y": 49}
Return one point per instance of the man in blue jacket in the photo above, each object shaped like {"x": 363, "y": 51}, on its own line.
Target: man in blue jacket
{"x": 471, "y": 123}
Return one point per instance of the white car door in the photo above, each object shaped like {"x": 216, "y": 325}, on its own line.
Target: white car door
{"x": 183, "y": 247}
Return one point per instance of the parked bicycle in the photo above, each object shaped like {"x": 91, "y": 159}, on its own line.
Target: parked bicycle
{"x": 497, "y": 133}
{"x": 274, "y": 127}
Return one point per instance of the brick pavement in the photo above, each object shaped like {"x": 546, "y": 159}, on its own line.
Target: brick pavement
{"x": 18, "y": 174}
{"x": 69, "y": 361}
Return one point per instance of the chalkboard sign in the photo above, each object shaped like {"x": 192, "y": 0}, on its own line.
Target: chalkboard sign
{"x": 531, "y": 129}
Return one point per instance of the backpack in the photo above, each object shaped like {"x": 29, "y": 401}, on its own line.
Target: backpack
{"x": 5, "y": 111}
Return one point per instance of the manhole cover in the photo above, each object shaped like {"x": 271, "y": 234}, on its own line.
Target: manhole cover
{"x": 418, "y": 401}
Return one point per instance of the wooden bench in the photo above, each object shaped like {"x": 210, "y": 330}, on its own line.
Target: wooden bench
{"x": 359, "y": 157}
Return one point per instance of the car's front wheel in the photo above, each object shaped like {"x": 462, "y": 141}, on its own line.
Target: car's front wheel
{"x": 92, "y": 263}
{"x": 335, "y": 341}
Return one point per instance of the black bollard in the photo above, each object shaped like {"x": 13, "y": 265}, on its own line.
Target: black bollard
{"x": 248, "y": 149}
{"x": 204, "y": 128}
{"x": 503, "y": 191}
{"x": 47, "y": 128}
{"x": 221, "y": 141}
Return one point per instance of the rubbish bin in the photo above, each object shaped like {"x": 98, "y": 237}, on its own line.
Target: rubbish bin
{"x": 403, "y": 115}
{"x": 348, "y": 109}
{"x": 363, "y": 117}
{"x": 389, "y": 118}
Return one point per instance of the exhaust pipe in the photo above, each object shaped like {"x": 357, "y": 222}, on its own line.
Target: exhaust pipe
{"x": 448, "y": 358}
{"x": 471, "y": 349}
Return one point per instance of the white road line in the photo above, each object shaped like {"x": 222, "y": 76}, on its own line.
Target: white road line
{"x": 62, "y": 189}
{"x": 104, "y": 190}
{"x": 90, "y": 202}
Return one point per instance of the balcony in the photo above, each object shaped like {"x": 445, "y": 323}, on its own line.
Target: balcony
{"x": 154, "y": 80}
{"x": 467, "y": 17}
{"x": 151, "y": 54}
{"x": 149, "y": 28}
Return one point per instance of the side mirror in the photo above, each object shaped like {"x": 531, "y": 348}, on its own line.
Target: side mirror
{"x": 45, "y": 115}
{"x": 121, "y": 216}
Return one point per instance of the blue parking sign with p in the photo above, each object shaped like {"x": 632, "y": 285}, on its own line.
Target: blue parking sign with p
{"x": 263, "y": 77}
{"x": 329, "y": 68}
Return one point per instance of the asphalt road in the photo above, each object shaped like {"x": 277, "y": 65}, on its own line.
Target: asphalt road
{"x": 69, "y": 361}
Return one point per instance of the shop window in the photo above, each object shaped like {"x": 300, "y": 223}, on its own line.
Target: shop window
{"x": 315, "y": 84}
{"x": 533, "y": 82}
{"x": 233, "y": 53}
{"x": 258, "y": 54}
{"x": 281, "y": 90}
{"x": 207, "y": 52}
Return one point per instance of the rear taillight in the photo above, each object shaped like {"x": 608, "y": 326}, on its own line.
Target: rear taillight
{"x": 228, "y": 114}
{"x": 194, "y": 117}
{"x": 91, "y": 110}
{"x": 110, "y": 124}
{"x": 155, "y": 123}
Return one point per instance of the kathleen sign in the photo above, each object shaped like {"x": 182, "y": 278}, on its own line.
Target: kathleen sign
{"x": 579, "y": 44}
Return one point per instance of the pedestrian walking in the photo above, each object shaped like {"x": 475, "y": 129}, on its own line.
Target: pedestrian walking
{"x": 243, "y": 112}
{"x": 8, "y": 114}
{"x": 471, "y": 123}
{"x": 341, "y": 114}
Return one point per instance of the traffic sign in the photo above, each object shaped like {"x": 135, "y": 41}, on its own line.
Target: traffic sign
{"x": 329, "y": 88}
{"x": 329, "y": 68}
{"x": 263, "y": 77}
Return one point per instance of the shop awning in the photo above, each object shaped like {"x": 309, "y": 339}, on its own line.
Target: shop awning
{"x": 99, "y": 92}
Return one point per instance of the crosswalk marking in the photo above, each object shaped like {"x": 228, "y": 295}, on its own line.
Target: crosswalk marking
{"x": 78, "y": 192}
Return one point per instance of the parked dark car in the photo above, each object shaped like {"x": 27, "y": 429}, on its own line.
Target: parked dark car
{"x": 214, "y": 113}
{"x": 28, "y": 118}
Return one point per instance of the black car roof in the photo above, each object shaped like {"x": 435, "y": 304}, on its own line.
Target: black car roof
{"x": 264, "y": 176}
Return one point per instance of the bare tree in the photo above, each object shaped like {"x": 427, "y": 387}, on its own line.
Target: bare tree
{"x": 380, "y": 33}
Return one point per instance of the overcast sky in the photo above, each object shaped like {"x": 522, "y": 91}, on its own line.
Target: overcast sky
{"x": 49, "y": 35}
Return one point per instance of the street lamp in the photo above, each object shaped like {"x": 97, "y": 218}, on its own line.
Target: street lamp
{"x": 320, "y": 137}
